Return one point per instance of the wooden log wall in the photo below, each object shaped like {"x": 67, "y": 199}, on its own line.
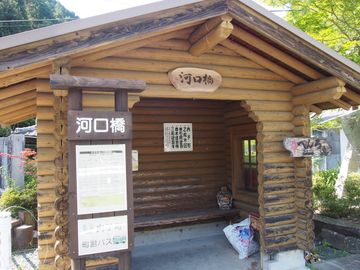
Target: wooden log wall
{"x": 303, "y": 197}
{"x": 178, "y": 181}
{"x": 47, "y": 144}
{"x": 267, "y": 94}
{"x": 238, "y": 123}
{"x": 276, "y": 175}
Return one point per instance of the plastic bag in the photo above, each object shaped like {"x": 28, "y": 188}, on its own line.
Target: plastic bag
{"x": 240, "y": 236}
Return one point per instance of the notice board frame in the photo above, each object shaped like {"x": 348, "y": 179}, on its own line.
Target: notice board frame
{"x": 75, "y": 87}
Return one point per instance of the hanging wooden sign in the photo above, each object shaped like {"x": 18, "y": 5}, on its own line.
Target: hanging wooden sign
{"x": 307, "y": 147}
{"x": 90, "y": 125}
{"x": 195, "y": 79}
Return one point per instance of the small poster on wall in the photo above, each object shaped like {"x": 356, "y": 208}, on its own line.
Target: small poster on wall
{"x": 101, "y": 178}
{"x": 99, "y": 235}
{"x": 307, "y": 147}
{"x": 135, "y": 160}
{"x": 178, "y": 137}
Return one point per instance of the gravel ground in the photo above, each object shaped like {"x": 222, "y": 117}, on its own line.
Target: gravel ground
{"x": 25, "y": 260}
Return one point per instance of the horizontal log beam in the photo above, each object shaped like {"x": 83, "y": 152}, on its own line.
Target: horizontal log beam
{"x": 206, "y": 27}
{"x": 267, "y": 106}
{"x": 185, "y": 57}
{"x": 19, "y": 115}
{"x": 262, "y": 61}
{"x": 315, "y": 109}
{"x": 210, "y": 40}
{"x": 319, "y": 96}
{"x": 341, "y": 104}
{"x": 352, "y": 96}
{"x": 65, "y": 82}
{"x": 133, "y": 64}
{"x": 128, "y": 46}
{"x": 165, "y": 91}
{"x": 17, "y": 89}
{"x": 16, "y": 107}
{"x": 276, "y": 53}
{"x": 163, "y": 78}
{"x": 271, "y": 116}
{"x": 14, "y": 100}
{"x": 314, "y": 86}
{"x": 26, "y": 75}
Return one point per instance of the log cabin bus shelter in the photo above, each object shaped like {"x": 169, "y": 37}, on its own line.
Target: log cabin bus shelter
{"x": 272, "y": 77}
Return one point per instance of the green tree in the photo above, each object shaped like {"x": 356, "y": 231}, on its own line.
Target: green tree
{"x": 22, "y": 15}
{"x": 335, "y": 23}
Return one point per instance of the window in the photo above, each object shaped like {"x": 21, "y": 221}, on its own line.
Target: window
{"x": 243, "y": 162}
{"x": 249, "y": 164}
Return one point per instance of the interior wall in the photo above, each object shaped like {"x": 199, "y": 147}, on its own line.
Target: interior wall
{"x": 237, "y": 120}
{"x": 176, "y": 181}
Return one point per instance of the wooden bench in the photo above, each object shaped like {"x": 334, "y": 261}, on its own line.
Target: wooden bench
{"x": 184, "y": 217}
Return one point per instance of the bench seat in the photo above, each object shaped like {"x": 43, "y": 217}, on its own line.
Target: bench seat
{"x": 183, "y": 217}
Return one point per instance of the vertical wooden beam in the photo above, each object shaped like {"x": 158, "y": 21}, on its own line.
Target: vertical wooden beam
{"x": 62, "y": 259}
{"x": 61, "y": 66}
{"x": 276, "y": 179}
{"x": 75, "y": 103}
{"x": 303, "y": 181}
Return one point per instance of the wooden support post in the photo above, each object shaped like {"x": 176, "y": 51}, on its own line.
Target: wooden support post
{"x": 75, "y": 103}
{"x": 61, "y": 66}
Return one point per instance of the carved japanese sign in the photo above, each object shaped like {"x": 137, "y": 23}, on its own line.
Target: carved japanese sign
{"x": 195, "y": 79}
{"x": 307, "y": 147}
{"x": 88, "y": 125}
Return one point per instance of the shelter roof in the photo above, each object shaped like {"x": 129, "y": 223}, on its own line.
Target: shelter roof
{"x": 29, "y": 55}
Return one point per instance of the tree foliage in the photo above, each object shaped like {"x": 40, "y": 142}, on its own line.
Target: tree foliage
{"x": 351, "y": 126}
{"x": 12, "y": 12}
{"x": 333, "y": 22}
{"x": 32, "y": 10}
{"x": 317, "y": 122}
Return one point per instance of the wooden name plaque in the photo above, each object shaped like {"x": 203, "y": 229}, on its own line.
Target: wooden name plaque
{"x": 195, "y": 79}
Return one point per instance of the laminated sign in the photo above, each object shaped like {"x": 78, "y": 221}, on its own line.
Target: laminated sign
{"x": 98, "y": 235}
{"x": 178, "y": 137}
{"x": 307, "y": 147}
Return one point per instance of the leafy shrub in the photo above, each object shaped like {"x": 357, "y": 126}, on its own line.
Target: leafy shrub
{"x": 324, "y": 187}
{"x": 352, "y": 193}
{"x": 25, "y": 197}
{"x": 325, "y": 199}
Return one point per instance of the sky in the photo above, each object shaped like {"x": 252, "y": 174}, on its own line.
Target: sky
{"x": 88, "y": 8}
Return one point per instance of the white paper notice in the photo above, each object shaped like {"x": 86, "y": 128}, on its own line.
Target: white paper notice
{"x": 101, "y": 178}
{"x": 178, "y": 137}
{"x": 101, "y": 235}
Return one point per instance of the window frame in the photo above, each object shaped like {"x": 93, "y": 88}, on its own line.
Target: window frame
{"x": 237, "y": 136}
